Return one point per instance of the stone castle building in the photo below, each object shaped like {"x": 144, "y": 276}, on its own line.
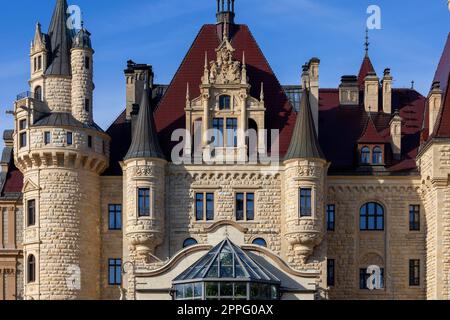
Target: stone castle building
{"x": 360, "y": 186}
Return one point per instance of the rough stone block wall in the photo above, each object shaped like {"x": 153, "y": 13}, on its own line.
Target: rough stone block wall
{"x": 111, "y": 240}
{"x": 353, "y": 249}
{"x": 82, "y": 85}
{"x": 58, "y": 93}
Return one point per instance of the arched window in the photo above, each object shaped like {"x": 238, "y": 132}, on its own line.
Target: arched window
{"x": 224, "y": 102}
{"x": 371, "y": 217}
{"x": 189, "y": 242}
{"x": 260, "y": 242}
{"x": 31, "y": 269}
{"x": 377, "y": 157}
{"x": 38, "y": 93}
{"x": 365, "y": 155}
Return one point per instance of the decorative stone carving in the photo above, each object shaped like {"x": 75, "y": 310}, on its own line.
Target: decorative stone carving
{"x": 144, "y": 171}
{"x": 225, "y": 70}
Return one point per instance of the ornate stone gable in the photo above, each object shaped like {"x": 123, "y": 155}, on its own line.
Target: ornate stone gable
{"x": 225, "y": 69}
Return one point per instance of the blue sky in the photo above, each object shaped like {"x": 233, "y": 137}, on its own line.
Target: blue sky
{"x": 159, "y": 32}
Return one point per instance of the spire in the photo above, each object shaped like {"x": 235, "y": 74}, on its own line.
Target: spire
{"x": 145, "y": 139}
{"x": 367, "y": 43}
{"x": 261, "y": 95}
{"x": 60, "y": 41}
{"x": 304, "y": 142}
{"x": 366, "y": 66}
{"x": 205, "y": 78}
{"x": 244, "y": 70}
{"x": 225, "y": 11}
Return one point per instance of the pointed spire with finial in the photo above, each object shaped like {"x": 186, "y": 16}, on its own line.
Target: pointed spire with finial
{"x": 304, "y": 141}
{"x": 145, "y": 142}
{"x": 244, "y": 70}
{"x": 367, "y": 43}
{"x": 205, "y": 78}
{"x": 60, "y": 41}
{"x": 188, "y": 95}
{"x": 366, "y": 66}
{"x": 261, "y": 95}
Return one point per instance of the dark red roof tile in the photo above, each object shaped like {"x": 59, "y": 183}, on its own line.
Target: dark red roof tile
{"x": 371, "y": 134}
{"x": 366, "y": 68}
{"x": 14, "y": 181}
{"x": 442, "y": 129}
{"x": 444, "y": 66}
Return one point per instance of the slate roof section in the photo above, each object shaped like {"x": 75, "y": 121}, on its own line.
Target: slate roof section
{"x": 145, "y": 142}
{"x": 60, "y": 41}
{"x": 444, "y": 66}
{"x": 64, "y": 119}
{"x": 442, "y": 129}
{"x": 304, "y": 142}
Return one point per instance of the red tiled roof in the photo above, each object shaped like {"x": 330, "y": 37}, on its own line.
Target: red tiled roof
{"x": 443, "y": 121}
{"x": 14, "y": 181}
{"x": 170, "y": 114}
{"x": 444, "y": 66}
{"x": 371, "y": 134}
{"x": 366, "y": 68}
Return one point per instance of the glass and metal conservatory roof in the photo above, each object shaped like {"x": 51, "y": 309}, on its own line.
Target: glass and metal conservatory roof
{"x": 227, "y": 262}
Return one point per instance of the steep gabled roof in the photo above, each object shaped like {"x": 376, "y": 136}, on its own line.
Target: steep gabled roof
{"x": 304, "y": 142}
{"x": 366, "y": 68}
{"x": 442, "y": 129}
{"x": 444, "y": 66}
{"x": 60, "y": 41}
{"x": 371, "y": 134}
{"x": 145, "y": 142}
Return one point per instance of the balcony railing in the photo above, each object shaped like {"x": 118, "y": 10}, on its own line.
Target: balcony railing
{"x": 31, "y": 95}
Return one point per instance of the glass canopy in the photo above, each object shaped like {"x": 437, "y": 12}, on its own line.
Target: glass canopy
{"x": 226, "y": 273}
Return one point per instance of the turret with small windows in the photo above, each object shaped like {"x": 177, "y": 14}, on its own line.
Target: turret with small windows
{"x": 61, "y": 153}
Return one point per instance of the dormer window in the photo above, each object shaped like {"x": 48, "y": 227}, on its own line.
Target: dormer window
{"x": 225, "y": 102}
{"x": 377, "y": 156}
{"x": 365, "y": 155}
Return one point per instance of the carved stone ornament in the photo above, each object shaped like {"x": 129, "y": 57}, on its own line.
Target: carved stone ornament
{"x": 225, "y": 70}
{"x": 304, "y": 242}
{"x": 144, "y": 171}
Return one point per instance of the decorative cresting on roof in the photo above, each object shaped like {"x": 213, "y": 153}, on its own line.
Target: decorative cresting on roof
{"x": 370, "y": 133}
{"x": 225, "y": 70}
{"x": 145, "y": 142}
{"x": 60, "y": 41}
{"x": 304, "y": 142}
{"x": 227, "y": 262}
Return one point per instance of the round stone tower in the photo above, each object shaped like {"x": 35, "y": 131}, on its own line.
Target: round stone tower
{"x": 61, "y": 156}
{"x": 304, "y": 189}
{"x": 144, "y": 192}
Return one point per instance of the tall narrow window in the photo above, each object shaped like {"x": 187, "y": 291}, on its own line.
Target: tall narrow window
{"x": 305, "y": 202}
{"x": 365, "y": 155}
{"x": 414, "y": 218}
{"x": 38, "y": 93}
{"x": 218, "y": 132}
{"x": 372, "y": 217}
{"x": 225, "y": 103}
{"x": 87, "y": 105}
{"x": 87, "y": 62}
{"x": 47, "y": 137}
{"x": 330, "y": 272}
{"x": 35, "y": 64}
{"x": 377, "y": 157}
{"x": 331, "y": 217}
{"x": 245, "y": 206}
{"x": 31, "y": 269}
{"x": 144, "y": 202}
{"x": 23, "y": 139}
{"x": 31, "y": 209}
{"x": 115, "y": 272}
{"x": 414, "y": 273}
{"x": 204, "y": 206}
{"x": 115, "y": 216}
{"x": 199, "y": 206}
{"x": 69, "y": 138}
{"x": 232, "y": 132}
{"x": 39, "y": 59}
{"x": 89, "y": 141}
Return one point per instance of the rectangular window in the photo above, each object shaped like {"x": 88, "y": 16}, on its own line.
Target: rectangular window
{"x": 23, "y": 139}
{"x": 47, "y": 137}
{"x": 331, "y": 217}
{"x": 364, "y": 277}
{"x": 232, "y": 132}
{"x": 414, "y": 273}
{"x": 305, "y": 202}
{"x": 115, "y": 272}
{"x": 204, "y": 206}
{"x": 22, "y": 124}
{"x": 115, "y": 216}
{"x": 31, "y": 209}
{"x": 245, "y": 206}
{"x": 330, "y": 272}
{"x": 87, "y": 62}
{"x": 87, "y": 105}
{"x": 144, "y": 202}
{"x": 39, "y": 62}
{"x": 89, "y": 141}
{"x": 69, "y": 138}
{"x": 414, "y": 218}
{"x": 35, "y": 64}
{"x": 218, "y": 132}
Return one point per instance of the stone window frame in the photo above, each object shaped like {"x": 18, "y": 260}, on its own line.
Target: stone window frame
{"x": 69, "y": 142}
{"x": 47, "y": 134}
{"x": 151, "y": 199}
{"x": 419, "y": 282}
{"x": 414, "y": 226}
{"x": 189, "y": 242}
{"x": 219, "y": 100}
{"x": 313, "y": 188}
{"x": 117, "y": 269}
{"x": 245, "y": 192}
{"x": 205, "y": 192}
{"x": 116, "y": 211}
{"x": 22, "y": 125}
{"x": 31, "y": 196}
{"x": 28, "y": 279}
{"x": 28, "y": 214}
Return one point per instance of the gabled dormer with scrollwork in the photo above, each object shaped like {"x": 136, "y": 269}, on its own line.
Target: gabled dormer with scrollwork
{"x": 220, "y": 118}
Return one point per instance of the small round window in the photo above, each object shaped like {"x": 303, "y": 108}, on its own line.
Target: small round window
{"x": 189, "y": 242}
{"x": 260, "y": 242}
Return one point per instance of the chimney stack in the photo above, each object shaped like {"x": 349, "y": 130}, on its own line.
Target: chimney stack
{"x": 387, "y": 91}
{"x": 371, "y": 91}
{"x": 136, "y": 75}
{"x": 349, "y": 91}
{"x": 396, "y": 135}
